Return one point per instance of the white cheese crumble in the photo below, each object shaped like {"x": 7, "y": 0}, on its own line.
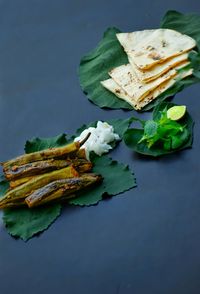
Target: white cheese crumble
{"x": 99, "y": 138}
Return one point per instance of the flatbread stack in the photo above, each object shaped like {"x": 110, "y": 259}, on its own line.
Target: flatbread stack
{"x": 155, "y": 58}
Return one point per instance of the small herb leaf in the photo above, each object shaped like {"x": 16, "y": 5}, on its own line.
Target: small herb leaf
{"x": 150, "y": 128}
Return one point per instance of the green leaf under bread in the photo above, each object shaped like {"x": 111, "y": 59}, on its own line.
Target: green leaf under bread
{"x": 108, "y": 54}
{"x": 188, "y": 24}
{"x": 94, "y": 68}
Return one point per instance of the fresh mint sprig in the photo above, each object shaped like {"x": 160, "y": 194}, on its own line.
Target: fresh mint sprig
{"x": 170, "y": 134}
{"x": 161, "y": 135}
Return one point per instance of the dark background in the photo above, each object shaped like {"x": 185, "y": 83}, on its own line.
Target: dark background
{"x": 146, "y": 241}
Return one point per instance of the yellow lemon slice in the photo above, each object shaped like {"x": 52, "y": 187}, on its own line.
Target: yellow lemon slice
{"x": 176, "y": 112}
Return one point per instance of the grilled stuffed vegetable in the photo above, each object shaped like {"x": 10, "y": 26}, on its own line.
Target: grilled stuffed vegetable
{"x": 22, "y": 191}
{"x": 58, "y": 152}
{"x": 40, "y": 167}
{"x": 65, "y": 188}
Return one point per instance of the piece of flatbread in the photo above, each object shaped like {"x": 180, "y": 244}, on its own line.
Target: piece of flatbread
{"x": 159, "y": 46}
{"x": 112, "y": 86}
{"x": 129, "y": 41}
{"x": 162, "y": 88}
{"x": 158, "y": 69}
{"x": 126, "y": 78}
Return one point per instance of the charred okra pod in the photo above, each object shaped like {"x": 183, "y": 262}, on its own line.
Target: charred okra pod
{"x": 81, "y": 165}
{"x": 34, "y": 168}
{"x": 22, "y": 191}
{"x": 40, "y": 167}
{"x": 21, "y": 181}
{"x": 42, "y": 155}
{"x": 61, "y": 189}
{"x": 49, "y": 153}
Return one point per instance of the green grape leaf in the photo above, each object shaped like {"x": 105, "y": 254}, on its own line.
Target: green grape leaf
{"x": 4, "y": 185}
{"x": 94, "y": 68}
{"x": 37, "y": 144}
{"x": 25, "y": 222}
{"x": 117, "y": 179}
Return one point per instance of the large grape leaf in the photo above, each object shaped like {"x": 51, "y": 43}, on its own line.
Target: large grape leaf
{"x": 95, "y": 65}
{"x": 37, "y": 144}
{"x": 25, "y": 222}
{"x": 117, "y": 179}
{"x": 94, "y": 68}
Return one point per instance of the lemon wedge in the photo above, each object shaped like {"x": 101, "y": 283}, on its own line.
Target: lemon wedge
{"x": 176, "y": 112}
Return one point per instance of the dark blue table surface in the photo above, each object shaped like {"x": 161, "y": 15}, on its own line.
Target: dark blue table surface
{"x": 147, "y": 240}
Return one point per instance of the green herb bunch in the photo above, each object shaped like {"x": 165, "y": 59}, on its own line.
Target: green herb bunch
{"x": 165, "y": 132}
{"x": 160, "y": 135}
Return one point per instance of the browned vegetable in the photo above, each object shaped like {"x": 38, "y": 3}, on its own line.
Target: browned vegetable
{"x": 51, "y": 175}
{"x": 34, "y": 168}
{"x": 58, "y": 152}
{"x": 18, "y": 182}
{"x": 81, "y": 153}
{"x": 59, "y": 189}
{"x": 16, "y": 204}
{"x": 81, "y": 166}
{"x": 26, "y": 171}
{"x": 27, "y": 188}
{"x": 42, "y": 155}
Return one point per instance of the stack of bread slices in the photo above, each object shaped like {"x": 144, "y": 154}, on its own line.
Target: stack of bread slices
{"x": 155, "y": 59}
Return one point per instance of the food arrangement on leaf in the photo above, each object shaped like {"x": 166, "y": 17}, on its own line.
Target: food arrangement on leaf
{"x": 46, "y": 176}
{"x": 56, "y": 171}
{"x": 155, "y": 56}
{"x": 137, "y": 70}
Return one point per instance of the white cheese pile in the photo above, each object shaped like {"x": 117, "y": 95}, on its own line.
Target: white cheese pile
{"x": 99, "y": 138}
